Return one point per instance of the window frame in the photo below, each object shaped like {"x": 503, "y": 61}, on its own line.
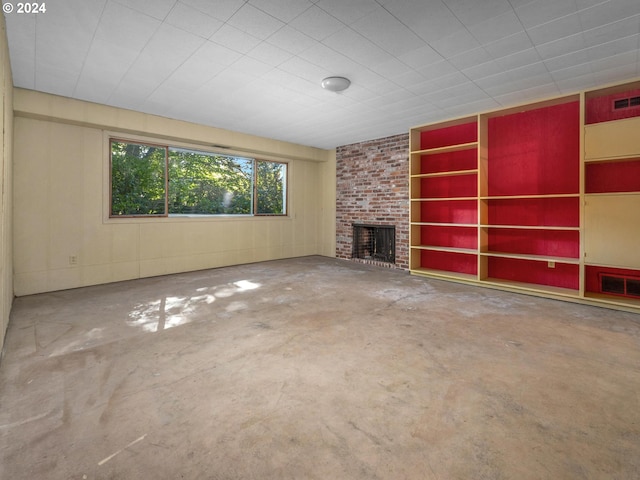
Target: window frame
{"x": 111, "y": 138}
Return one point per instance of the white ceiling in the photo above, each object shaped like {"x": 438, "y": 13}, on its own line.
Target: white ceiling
{"x": 255, "y": 66}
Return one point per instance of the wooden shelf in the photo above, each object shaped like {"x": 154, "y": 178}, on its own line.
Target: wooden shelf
{"x": 543, "y": 186}
{"x": 537, "y": 258}
{"x": 444, "y": 274}
{"x": 434, "y": 248}
{"x": 443, "y": 199}
{"x": 530, "y": 287}
{"x": 442, "y": 224}
{"x": 445, "y": 174}
{"x": 517, "y": 197}
{"x": 614, "y": 300}
{"x": 447, "y": 149}
{"x": 533, "y": 227}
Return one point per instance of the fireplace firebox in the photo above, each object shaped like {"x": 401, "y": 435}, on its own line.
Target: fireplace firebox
{"x": 374, "y": 242}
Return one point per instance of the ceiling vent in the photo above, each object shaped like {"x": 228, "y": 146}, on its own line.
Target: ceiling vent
{"x": 628, "y": 102}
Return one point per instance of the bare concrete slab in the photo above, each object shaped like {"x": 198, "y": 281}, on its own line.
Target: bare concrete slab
{"x": 316, "y": 368}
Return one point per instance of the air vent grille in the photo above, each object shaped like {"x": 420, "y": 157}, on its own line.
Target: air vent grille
{"x": 620, "y": 285}
{"x": 629, "y": 102}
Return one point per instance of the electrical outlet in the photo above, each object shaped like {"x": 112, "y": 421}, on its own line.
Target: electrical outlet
{"x": 551, "y": 264}
{"x": 73, "y": 260}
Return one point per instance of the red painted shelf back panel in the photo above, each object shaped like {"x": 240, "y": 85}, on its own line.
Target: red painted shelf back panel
{"x": 450, "y": 186}
{"x": 600, "y": 109}
{"x": 445, "y": 236}
{"x": 553, "y": 243}
{"x": 449, "y": 261}
{"x": 530, "y": 271}
{"x": 449, "y": 161}
{"x": 452, "y": 211}
{"x": 447, "y": 136}
{"x": 547, "y": 212}
{"x": 535, "y": 152}
{"x": 591, "y": 273}
{"x": 622, "y": 176}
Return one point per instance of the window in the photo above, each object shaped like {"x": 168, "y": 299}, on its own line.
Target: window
{"x": 149, "y": 179}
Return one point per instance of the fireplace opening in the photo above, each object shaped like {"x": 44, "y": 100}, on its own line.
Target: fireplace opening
{"x": 374, "y": 242}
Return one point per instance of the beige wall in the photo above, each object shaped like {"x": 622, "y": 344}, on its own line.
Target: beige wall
{"x": 61, "y": 196}
{"x": 6, "y": 126}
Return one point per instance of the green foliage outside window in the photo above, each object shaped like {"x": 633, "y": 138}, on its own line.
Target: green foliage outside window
{"x": 271, "y": 190}
{"x": 199, "y": 183}
{"x": 137, "y": 179}
{"x": 208, "y": 184}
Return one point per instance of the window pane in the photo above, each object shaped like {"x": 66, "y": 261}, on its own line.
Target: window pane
{"x": 271, "y": 188}
{"x": 209, "y": 184}
{"x": 137, "y": 179}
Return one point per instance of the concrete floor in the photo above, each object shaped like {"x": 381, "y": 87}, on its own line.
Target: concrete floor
{"x": 316, "y": 368}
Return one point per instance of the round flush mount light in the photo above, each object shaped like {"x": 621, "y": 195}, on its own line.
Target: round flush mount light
{"x": 335, "y": 84}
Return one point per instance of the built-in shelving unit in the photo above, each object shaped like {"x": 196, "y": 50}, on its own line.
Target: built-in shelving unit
{"x": 541, "y": 198}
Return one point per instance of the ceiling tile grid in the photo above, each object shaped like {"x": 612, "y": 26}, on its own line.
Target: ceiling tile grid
{"x": 256, "y": 65}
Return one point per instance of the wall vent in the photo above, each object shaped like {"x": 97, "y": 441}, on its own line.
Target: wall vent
{"x": 620, "y": 285}
{"x": 628, "y": 102}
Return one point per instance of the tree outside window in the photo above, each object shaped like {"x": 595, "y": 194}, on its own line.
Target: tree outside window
{"x": 161, "y": 180}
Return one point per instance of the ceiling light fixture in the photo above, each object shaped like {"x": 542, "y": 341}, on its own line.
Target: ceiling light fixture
{"x": 335, "y": 84}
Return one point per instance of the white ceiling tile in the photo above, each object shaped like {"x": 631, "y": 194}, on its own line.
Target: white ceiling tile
{"x": 285, "y": 10}
{"x": 263, "y": 77}
{"x": 616, "y": 47}
{"x": 609, "y": 12}
{"x": 124, "y": 27}
{"x": 55, "y": 79}
{"x": 430, "y": 20}
{"x": 457, "y": 43}
{"x": 304, "y": 69}
{"x": 555, "y": 30}
{"x": 270, "y": 54}
{"x": 509, "y": 45}
{"x": 23, "y": 71}
{"x": 168, "y": 49}
{"x": 155, "y": 8}
{"x": 571, "y": 72}
{"x": 611, "y": 75}
{"x": 567, "y": 60}
{"x": 317, "y": 23}
{"x": 561, "y": 47}
{"x": 220, "y": 9}
{"x": 255, "y": 22}
{"x": 353, "y": 45}
{"x": 348, "y": 12}
{"x": 543, "y": 11}
{"x": 612, "y": 31}
{"x": 421, "y": 57}
{"x": 105, "y": 66}
{"x": 437, "y": 70}
{"x": 209, "y": 60}
{"x": 471, "y": 12}
{"x": 192, "y": 20}
{"x": 21, "y": 29}
{"x": 235, "y": 39}
{"x": 520, "y": 59}
{"x": 391, "y": 68}
{"x": 607, "y": 62}
{"x": 496, "y": 28}
{"x": 251, "y": 67}
{"x": 291, "y": 40}
{"x": 483, "y": 70}
{"x": 470, "y": 58}
{"x": 386, "y": 31}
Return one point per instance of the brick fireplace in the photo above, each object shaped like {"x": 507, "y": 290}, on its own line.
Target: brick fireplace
{"x": 373, "y": 189}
